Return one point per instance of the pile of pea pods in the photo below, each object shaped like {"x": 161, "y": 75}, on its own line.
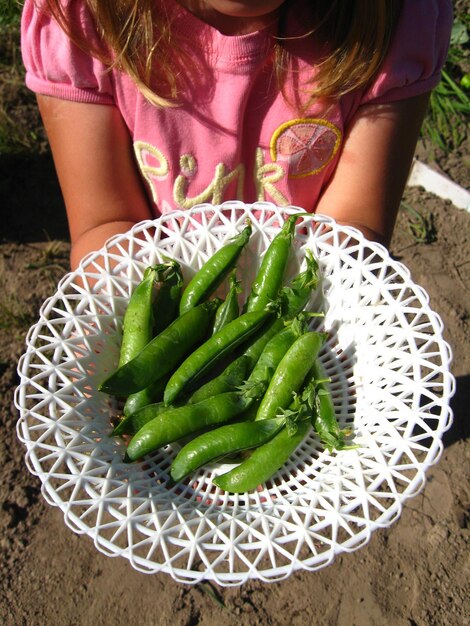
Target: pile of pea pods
{"x": 220, "y": 379}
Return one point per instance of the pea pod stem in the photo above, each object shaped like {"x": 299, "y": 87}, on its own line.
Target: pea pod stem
{"x": 214, "y": 270}
{"x": 163, "y": 353}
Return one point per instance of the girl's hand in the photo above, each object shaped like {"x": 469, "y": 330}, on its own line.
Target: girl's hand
{"x": 92, "y": 152}
{"x": 366, "y": 189}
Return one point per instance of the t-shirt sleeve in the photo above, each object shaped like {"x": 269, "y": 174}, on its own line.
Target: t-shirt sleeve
{"x": 55, "y": 66}
{"x": 417, "y": 52}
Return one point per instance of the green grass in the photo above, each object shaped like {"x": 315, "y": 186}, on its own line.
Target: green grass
{"x": 50, "y": 257}
{"x": 10, "y": 12}
{"x": 446, "y": 124}
{"x": 13, "y": 313}
{"x": 20, "y": 126}
{"x": 420, "y": 226}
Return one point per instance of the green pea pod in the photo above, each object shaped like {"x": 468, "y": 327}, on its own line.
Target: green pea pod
{"x": 165, "y": 311}
{"x": 228, "y": 380}
{"x": 214, "y": 270}
{"x": 201, "y": 360}
{"x": 149, "y": 395}
{"x": 240, "y": 373}
{"x": 290, "y": 374}
{"x": 220, "y": 442}
{"x": 293, "y": 298}
{"x": 132, "y": 423}
{"x": 264, "y": 461}
{"x": 166, "y": 306}
{"x": 176, "y": 423}
{"x": 138, "y": 318}
{"x": 273, "y": 353}
{"x": 325, "y": 422}
{"x": 268, "y": 281}
{"x": 270, "y": 457}
{"x": 295, "y": 295}
{"x": 229, "y": 309}
{"x": 163, "y": 353}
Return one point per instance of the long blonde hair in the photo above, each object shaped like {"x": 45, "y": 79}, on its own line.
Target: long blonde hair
{"x": 136, "y": 33}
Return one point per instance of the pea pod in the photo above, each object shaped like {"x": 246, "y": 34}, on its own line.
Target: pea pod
{"x": 132, "y": 423}
{"x": 165, "y": 310}
{"x": 212, "y": 351}
{"x": 231, "y": 378}
{"x": 229, "y": 309}
{"x": 244, "y": 435}
{"x": 149, "y": 395}
{"x": 166, "y": 305}
{"x": 163, "y": 353}
{"x": 138, "y": 318}
{"x": 220, "y": 442}
{"x": 264, "y": 461}
{"x": 273, "y": 353}
{"x": 175, "y": 423}
{"x": 290, "y": 374}
{"x": 235, "y": 374}
{"x": 325, "y": 422}
{"x": 294, "y": 297}
{"x": 267, "y": 459}
{"x": 214, "y": 270}
{"x": 268, "y": 281}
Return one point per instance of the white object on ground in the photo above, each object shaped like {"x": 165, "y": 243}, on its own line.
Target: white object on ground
{"x": 424, "y": 176}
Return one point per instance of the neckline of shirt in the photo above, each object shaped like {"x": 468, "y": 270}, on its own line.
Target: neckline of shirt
{"x": 221, "y": 48}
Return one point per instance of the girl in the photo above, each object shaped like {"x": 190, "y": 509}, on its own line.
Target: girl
{"x": 156, "y": 105}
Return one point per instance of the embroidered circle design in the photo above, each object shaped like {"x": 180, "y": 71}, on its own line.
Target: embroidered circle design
{"x": 308, "y": 145}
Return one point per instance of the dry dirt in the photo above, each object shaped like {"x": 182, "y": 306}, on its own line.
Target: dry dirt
{"x": 415, "y": 573}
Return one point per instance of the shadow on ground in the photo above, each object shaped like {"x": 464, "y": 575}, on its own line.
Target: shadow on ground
{"x": 460, "y": 429}
{"x": 31, "y": 204}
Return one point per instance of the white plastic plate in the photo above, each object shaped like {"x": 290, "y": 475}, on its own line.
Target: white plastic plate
{"x": 390, "y": 382}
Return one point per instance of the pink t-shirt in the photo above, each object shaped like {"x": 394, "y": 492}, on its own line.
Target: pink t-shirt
{"x": 234, "y": 135}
